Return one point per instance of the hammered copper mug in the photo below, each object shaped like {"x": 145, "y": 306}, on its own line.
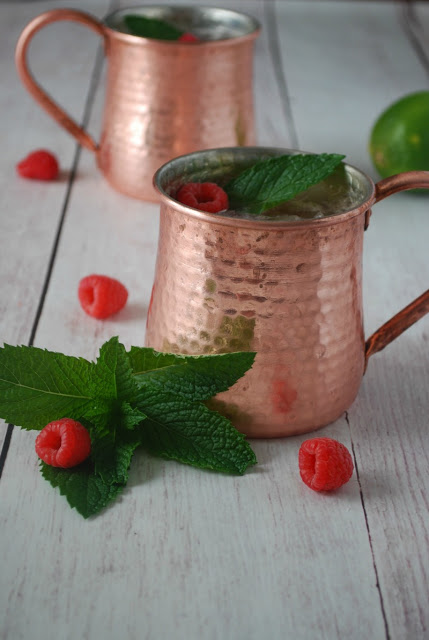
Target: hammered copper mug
{"x": 291, "y": 291}
{"x": 163, "y": 98}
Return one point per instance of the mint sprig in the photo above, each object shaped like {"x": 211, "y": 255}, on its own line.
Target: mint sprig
{"x": 151, "y": 28}
{"x": 36, "y": 386}
{"x": 196, "y": 378}
{"x": 270, "y": 182}
{"x": 191, "y": 433}
{"x": 126, "y": 400}
{"x": 84, "y": 490}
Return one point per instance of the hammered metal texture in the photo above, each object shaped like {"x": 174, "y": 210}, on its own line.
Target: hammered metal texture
{"x": 289, "y": 290}
{"x": 165, "y": 99}
{"x": 292, "y": 295}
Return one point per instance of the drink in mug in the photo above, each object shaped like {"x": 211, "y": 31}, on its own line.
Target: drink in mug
{"x": 287, "y": 285}
{"x": 334, "y": 195}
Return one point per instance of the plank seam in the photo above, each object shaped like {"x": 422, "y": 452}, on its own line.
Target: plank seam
{"x": 54, "y": 251}
{"x": 374, "y": 564}
{"x": 413, "y": 31}
{"x": 274, "y": 49}
{"x": 5, "y": 447}
{"x": 93, "y": 85}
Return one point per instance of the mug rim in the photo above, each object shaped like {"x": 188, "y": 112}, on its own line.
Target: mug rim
{"x": 335, "y": 218}
{"x": 249, "y": 35}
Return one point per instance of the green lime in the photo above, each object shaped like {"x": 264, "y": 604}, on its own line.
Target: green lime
{"x": 399, "y": 140}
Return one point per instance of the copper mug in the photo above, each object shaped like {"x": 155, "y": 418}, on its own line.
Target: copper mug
{"x": 163, "y": 98}
{"x": 291, "y": 291}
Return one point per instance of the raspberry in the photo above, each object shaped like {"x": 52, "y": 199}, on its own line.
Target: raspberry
{"x": 63, "y": 443}
{"x": 205, "y": 196}
{"x": 188, "y": 37}
{"x": 39, "y": 165}
{"x": 101, "y": 296}
{"x": 324, "y": 464}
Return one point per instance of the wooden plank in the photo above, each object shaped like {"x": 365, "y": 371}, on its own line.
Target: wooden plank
{"x": 189, "y": 554}
{"x": 337, "y": 95}
{"x": 398, "y": 430}
{"x": 183, "y": 552}
{"x": 31, "y": 210}
{"x": 415, "y": 18}
{"x": 357, "y": 74}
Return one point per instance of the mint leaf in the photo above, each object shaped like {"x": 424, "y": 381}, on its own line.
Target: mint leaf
{"x": 85, "y": 491}
{"x": 113, "y": 460}
{"x": 125, "y": 400}
{"x": 112, "y": 383}
{"x": 270, "y": 182}
{"x": 112, "y": 415}
{"x": 170, "y": 389}
{"x": 189, "y": 432}
{"x": 99, "y": 417}
{"x": 130, "y": 417}
{"x": 151, "y": 28}
{"x": 38, "y": 386}
{"x": 196, "y": 378}
{"x": 112, "y": 378}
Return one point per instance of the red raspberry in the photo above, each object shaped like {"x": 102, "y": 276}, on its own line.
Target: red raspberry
{"x": 101, "y": 296}
{"x": 188, "y": 37}
{"x": 39, "y": 165}
{"x": 63, "y": 443}
{"x": 324, "y": 464}
{"x": 205, "y": 196}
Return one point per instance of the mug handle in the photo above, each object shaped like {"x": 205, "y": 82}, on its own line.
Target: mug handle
{"x": 63, "y": 119}
{"x": 418, "y": 307}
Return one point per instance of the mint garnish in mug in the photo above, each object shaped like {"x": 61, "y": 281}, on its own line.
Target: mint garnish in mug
{"x": 126, "y": 400}
{"x": 269, "y": 183}
{"x": 154, "y": 28}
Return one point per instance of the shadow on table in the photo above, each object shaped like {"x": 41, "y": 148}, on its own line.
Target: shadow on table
{"x": 132, "y": 312}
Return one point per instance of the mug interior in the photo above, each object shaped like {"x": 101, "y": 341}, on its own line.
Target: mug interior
{"x": 208, "y": 23}
{"x": 212, "y": 165}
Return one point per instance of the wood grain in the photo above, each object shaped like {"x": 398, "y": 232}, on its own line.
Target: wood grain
{"x": 31, "y": 210}
{"x": 216, "y": 532}
{"x": 388, "y": 422}
{"x": 191, "y": 554}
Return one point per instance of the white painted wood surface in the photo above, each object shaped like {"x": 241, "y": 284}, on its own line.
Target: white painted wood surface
{"x": 31, "y": 211}
{"x": 183, "y": 553}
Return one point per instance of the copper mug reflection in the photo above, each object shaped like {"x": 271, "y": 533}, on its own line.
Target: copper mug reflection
{"x": 163, "y": 98}
{"x": 291, "y": 291}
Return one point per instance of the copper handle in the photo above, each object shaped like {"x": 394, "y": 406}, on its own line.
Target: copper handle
{"x": 63, "y": 119}
{"x": 420, "y": 306}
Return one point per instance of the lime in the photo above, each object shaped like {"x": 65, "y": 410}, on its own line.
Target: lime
{"x": 399, "y": 140}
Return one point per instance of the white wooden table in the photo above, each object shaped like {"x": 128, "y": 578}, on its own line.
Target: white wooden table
{"x": 185, "y": 553}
